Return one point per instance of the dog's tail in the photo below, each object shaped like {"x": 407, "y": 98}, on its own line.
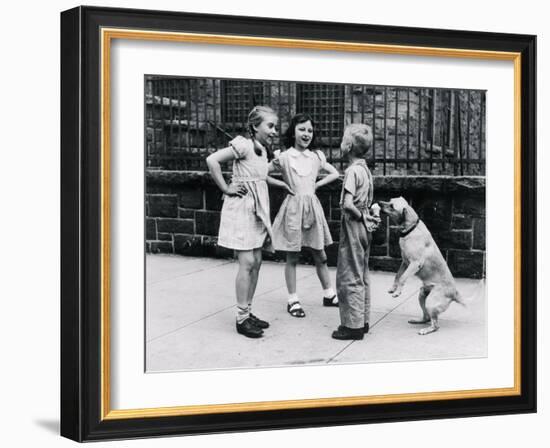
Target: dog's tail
{"x": 478, "y": 292}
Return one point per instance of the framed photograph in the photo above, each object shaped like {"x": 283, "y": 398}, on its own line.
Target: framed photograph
{"x": 278, "y": 224}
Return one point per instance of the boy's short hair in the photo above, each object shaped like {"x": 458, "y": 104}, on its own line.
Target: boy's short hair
{"x": 357, "y": 139}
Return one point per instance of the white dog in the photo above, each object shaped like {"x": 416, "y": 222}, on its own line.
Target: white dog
{"x": 421, "y": 257}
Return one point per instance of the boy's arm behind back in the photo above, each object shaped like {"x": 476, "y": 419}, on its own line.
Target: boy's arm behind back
{"x": 349, "y": 207}
{"x": 349, "y": 188}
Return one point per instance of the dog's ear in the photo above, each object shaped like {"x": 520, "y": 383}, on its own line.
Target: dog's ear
{"x": 408, "y": 214}
{"x": 399, "y": 204}
{"x": 404, "y": 215}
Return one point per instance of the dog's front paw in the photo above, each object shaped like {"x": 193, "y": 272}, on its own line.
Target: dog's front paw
{"x": 396, "y": 292}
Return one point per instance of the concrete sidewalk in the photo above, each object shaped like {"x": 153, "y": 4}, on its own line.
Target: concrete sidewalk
{"x": 190, "y": 320}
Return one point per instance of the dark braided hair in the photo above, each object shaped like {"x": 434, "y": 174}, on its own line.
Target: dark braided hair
{"x": 255, "y": 117}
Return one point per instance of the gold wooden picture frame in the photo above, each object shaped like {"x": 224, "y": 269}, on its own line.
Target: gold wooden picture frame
{"x": 87, "y": 38}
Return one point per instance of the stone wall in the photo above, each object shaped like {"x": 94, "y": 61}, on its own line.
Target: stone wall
{"x": 436, "y": 126}
{"x": 183, "y": 215}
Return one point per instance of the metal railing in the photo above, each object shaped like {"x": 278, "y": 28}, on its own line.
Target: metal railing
{"x": 418, "y": 131}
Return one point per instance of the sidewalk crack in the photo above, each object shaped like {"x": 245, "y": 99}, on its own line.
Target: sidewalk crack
{"x": 339, "y": 353}
{"x": 175, "y": 330}
{"x": 413, "y": 294}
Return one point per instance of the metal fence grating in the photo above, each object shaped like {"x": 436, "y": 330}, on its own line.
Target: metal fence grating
{"x": 325, "y": 104}
{"x": 238, "y": 97}
{"x": 417, "y": 131}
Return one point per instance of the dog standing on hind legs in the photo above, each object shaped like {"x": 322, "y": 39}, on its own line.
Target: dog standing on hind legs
{"x": 421, "y": 257}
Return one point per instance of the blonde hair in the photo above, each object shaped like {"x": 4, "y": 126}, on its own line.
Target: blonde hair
{"x": 255, "y": 117}
{"x": 357, "y": 139}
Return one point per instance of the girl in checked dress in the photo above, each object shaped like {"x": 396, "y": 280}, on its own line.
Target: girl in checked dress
{"x": 245, "y": 224}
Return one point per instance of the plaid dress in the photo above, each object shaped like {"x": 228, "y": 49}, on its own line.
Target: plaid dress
{"x": 245, "y": 222}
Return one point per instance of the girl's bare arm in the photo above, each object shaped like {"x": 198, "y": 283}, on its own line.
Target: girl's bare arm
{"x": 279, "y": 183}
{"x": 214, "y": 162}
{"x": 331, "y": 177}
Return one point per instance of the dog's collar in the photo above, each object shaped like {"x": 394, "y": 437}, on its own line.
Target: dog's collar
{"x": 410, "y": 229}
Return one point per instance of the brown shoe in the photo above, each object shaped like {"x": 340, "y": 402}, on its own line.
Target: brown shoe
{"x": 248, "y": 329}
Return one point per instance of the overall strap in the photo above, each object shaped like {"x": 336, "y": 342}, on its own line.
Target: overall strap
{"x": 371, "y": 187}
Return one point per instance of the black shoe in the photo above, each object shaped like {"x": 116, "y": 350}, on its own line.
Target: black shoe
{"x": 248, "y": 329}
{"x": 329, "y": 301}
{"x": 345, "y": 333}
{"x": 259, "y": 322}
{"x": 366, "y": 328}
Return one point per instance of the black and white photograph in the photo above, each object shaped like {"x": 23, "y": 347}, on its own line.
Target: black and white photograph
{"x": 291, "y": 224}
{"x": 296, "y": 224}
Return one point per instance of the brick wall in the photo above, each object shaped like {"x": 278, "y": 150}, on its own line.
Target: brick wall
{"x": 183, "y": 215}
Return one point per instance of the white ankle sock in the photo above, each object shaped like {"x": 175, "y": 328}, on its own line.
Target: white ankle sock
{"x": 242, "y": 314}
{"x": 292, "y": 297}
{"x": 328, "y": 293}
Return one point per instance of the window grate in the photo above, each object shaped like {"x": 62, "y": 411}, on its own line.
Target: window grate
{"x": 325, "y": 103}
{"x": 238, "y": 98}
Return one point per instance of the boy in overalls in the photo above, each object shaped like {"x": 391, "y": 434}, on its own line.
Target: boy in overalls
{"x": 357, "y": 225}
